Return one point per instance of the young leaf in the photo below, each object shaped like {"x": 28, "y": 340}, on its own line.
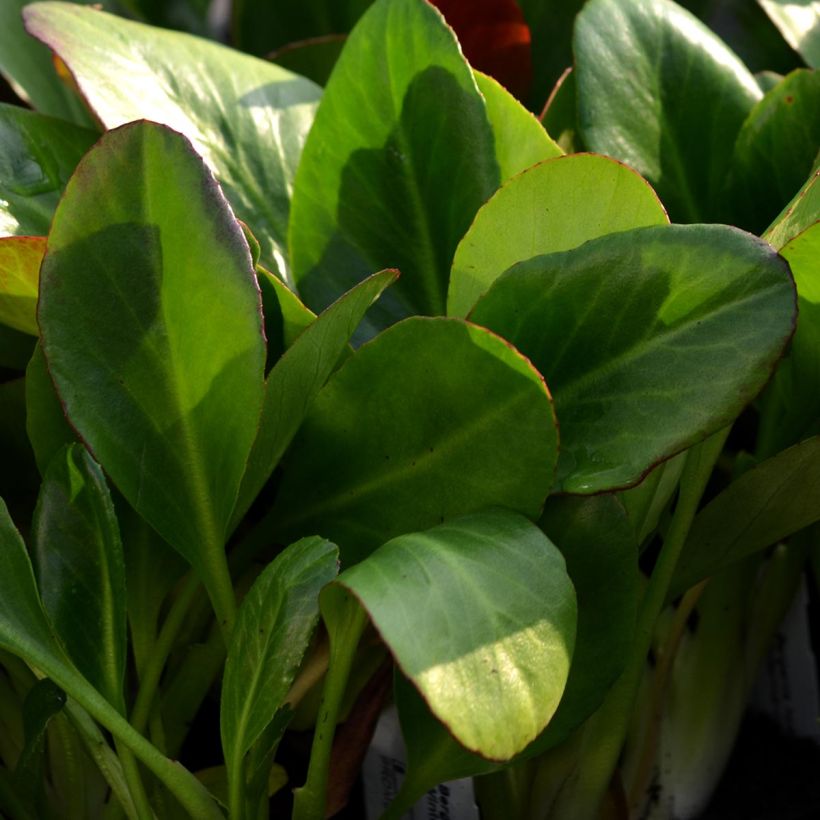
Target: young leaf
{"x": 400, "y": 117}
{"x": 555, "y": 206}
{"x": 153, "y": 341}
{"x": 37, "y": 156}
{"x": 801, "y": 213}
{"x": 273, "y": 628}
{"x": 20, "y": 259}
{"x": 497, "y": 683}
{"x": 433, "y": 418}
{"x": 298, "y": 376}
{"x": 285, "y": 315}
{"x": 678, "y": 106}
{"x": 649, "y": 339}
{"x": 766, "y": 504}
{"x": 775, "y": 149}
{"x": 128, "y": 71}
{"x": 799, "y": 23}
{"x": 520, "y": 139}
{"x": 81, "y": 570}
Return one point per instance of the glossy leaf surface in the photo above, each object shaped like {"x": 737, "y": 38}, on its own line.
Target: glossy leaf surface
{"x": 597, "y": 542}
{"x": 496, "y": 684}
{"x": 247, "y": 118}
{"x": 775, "y": 149}
{"x": 799, "y": 23}
{"x": 520, "y": 140}
{"x": 433, "y": 418}
{"x": 801, "y": 213}
{"x": 38, "y": 154}
{"x": 783, "y": 496}
{"x": 158, "y": 359}
{"x": 649, "y": 340}
{"x": 681, "y": 98}
{"x": 273, "y": 628}
{"x": 20, "y": 259}
{"x": 400, "y": 116}
{"x": 81, "y": 569}
{"x": 554, "y": 207}
{"x": 298, "y": 376}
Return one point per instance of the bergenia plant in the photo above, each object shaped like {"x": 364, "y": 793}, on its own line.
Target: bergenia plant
{"x": 320, "y": 399}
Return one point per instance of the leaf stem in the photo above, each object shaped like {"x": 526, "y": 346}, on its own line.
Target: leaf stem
{"x": 606, "y": 730}
{"x": 134, "y": 780}
{"x": 151, "y": 672}
{"x": 349, "y": 622}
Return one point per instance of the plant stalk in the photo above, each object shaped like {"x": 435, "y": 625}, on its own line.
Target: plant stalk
{"x": 606, "y": 731}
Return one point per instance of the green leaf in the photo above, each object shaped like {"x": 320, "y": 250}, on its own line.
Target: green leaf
{"x": 520, "y": 139}
{"x": 298, "y": 376}
{"x": 650, "y": 340}
{"x": 20, "y": 259}
{"x": 775, "y": 150}
{"x": 38, "y": 154}
{"x": 28, "y": 67}
{"x": 24, "y": 628}
{"x": 677, "y": 106}
{"x": 766, "y": 504}
{"x": 19, "y": 479}
{"x": 400, "y": 116}
{"x": 597, "y": 541}
{"x": 81, "y": 569}
{"x": 285, "y": 315}
{"x": 273, "y": 628}
{"x": 790, "y": 410}
{"x": 497, "y": 683}
{"x": 433, "y": 418}
{"x": 799, "y": 23}
{"x": 46, "y": 424}
{"x": 247, "y": 118}
{"x": 158, "y": 359}
{"x": 433, "y": 755}
{"x": 801, "y": 213}
{"x": 554, "y": 207}
{"x": 259, "y": 26}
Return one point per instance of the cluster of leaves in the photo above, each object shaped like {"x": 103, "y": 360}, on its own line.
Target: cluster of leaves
{"x": 256, "y": 331}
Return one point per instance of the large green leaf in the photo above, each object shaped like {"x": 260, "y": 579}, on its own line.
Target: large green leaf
{"x": 480, "y": 614}
{"x": 799, "y": 23}
{"x": 37, "y": 156}
{"x": 81, "y": 570}
{"x": 520, "y": 139}
{"x": 679, "y": 101}
{"x": 260, "y": 26}
{"x": 791, "y": 408}
{"x": 20, "y": 259}
{"x": 247, "y": 118}
{"x": 153, "y": 341}
{"x": 766, "y": 504}
{"x": 598, "y": 544}
{"x": 775, "y": 149}
{"x": 400, "y": 125}
{"x": 433, "y": 418}
{"x": 298, "y": 376}
{"x": 555, "y": 206}
{"x": 27, "y": 65}
{"x": 273, "y": 628}
{"x": 649, "y": 340}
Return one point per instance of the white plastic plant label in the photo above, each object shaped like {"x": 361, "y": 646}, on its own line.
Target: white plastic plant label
{"x": 383, "y": 772}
